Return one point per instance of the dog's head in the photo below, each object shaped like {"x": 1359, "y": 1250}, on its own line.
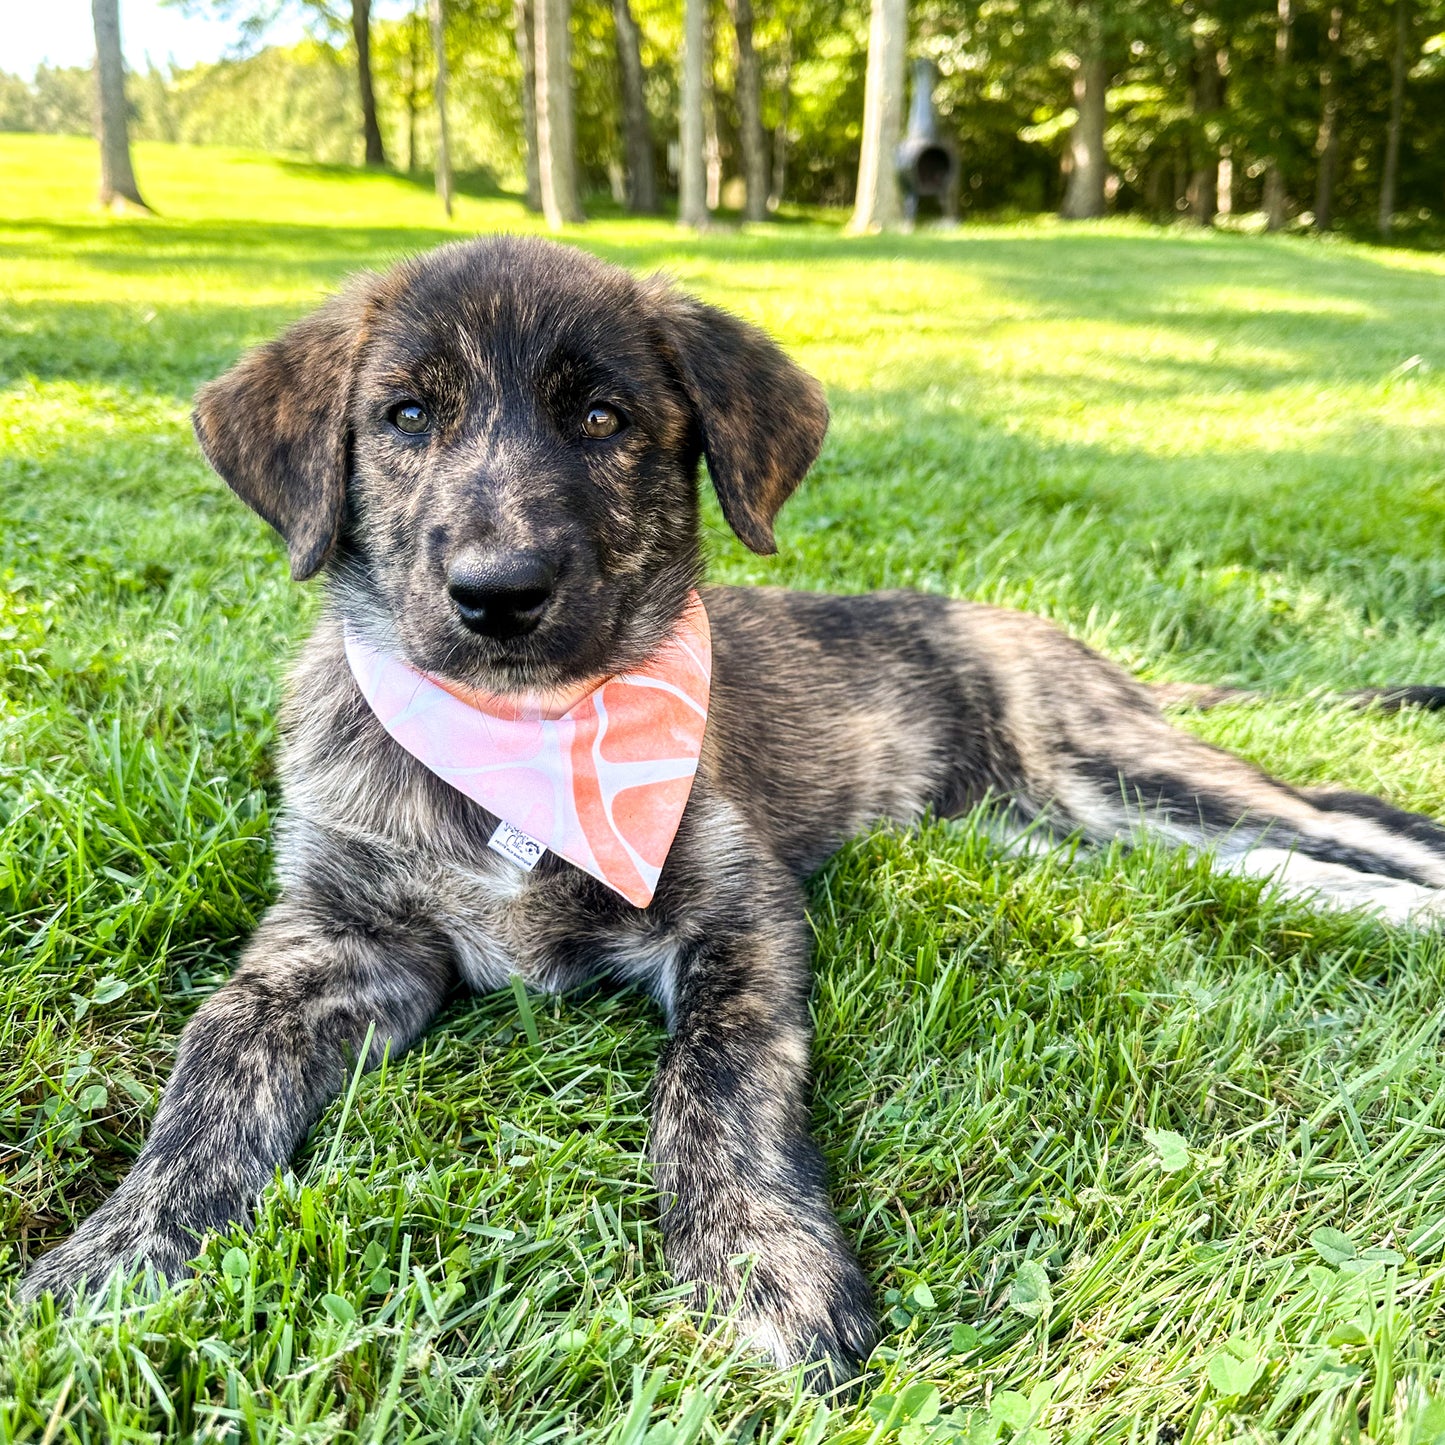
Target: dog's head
{"x": 493, "y": 449}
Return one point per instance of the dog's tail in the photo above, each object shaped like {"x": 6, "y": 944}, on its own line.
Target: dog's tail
{"x": 1202, "y": 695}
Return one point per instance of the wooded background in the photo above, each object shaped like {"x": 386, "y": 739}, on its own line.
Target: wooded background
{"x": 1323, "y": 113}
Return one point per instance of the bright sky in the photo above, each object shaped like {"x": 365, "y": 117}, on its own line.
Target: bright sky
{"x": 58, "y": 32}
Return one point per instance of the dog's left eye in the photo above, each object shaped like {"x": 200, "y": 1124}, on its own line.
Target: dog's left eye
{"x": 410, "y": 417}
{"x": 602, "y": 421}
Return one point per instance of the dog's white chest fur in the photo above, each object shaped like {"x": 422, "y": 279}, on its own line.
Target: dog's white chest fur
{"x": 494, "y": 913}
{"x": 484, "y": 906}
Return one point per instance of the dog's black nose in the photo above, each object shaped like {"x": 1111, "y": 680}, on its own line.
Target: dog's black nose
{"x": 500, "y": 594}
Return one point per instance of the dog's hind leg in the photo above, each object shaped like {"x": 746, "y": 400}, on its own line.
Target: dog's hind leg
{"x": 1088, "y": 751}
{"x": 1349, "y": 849}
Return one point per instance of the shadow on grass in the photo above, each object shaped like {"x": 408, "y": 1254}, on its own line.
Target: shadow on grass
{"x": 1307, "y": 313}
{"x": 932, "y": 495}
{"x": 1319, "y": 295}
{"x": 478, "y": 185}
{"x": 937, "y": 448}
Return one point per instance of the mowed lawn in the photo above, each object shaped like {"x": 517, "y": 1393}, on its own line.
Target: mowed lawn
{"x": 1133, "y": 1150}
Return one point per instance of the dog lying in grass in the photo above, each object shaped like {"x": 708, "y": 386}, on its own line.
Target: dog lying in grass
{"x": 523, "y": 742}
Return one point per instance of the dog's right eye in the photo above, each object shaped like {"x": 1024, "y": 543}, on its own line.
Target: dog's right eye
{"x": 601, "y": 422}
{"x": 410, "y": 417}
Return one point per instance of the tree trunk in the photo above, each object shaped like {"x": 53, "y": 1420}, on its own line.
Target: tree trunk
{"x": 712, "y": 142}
{"x": 556, "y": 137}
{"x": 439, "y": 89}
{"x": 370, "y": 130}
{"x": 1391, "y": 174}
{"x": 692, "y": 176}
{"x": 1208, "y": 94}
{"x": 1154, "y": 187}
{"x": 1327, "y": 142}
{"x": 524, "y": 26}
{"x": 636, "y": 131}
{"x": 1276, "y": 202}
{"x": 117, "y": 178}
{"x": 780, "y": 135}
{"x": 1089, "y": 163}
{"x": 413, "y": 57}
{"x": 879, "y": 204}
{"x": 1276, "y": 199}
{"x": 750, "y": 113}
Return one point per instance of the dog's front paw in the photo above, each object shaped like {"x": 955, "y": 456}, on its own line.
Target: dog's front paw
{"x": 109, "y": 1241}
{"x": 810, "y": 1307}
{"x": 794, "y": 1291}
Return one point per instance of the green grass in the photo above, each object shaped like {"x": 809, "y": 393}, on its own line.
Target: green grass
{"x": 1213, "y": 457}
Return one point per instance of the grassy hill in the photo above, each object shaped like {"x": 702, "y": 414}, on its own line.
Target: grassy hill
{"x": 1133, "y": 1151}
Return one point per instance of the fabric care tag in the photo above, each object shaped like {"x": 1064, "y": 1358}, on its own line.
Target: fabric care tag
{"x": 513, "y": 843}
{"x": 600, "y": 778}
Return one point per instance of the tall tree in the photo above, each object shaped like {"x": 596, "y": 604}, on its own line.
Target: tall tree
{"x": 1276, "y": 199}
{"x": 636, "y": 129}
{"x": 524, "y": 28}
{"x": 1085, "y": 197}
{"x": 1390, "y": 175}
{"x": 692, "y": 177}
{"x": 711, "y": 135}
{"x": 556, "y": 133}
{"x": 117, "y": 177}
{"x": 780, "y": 131}
{"x": 1327, "y": 142}
{"x": 361, "y": 34}
{"x": 1206, "y": 99}
{"x": 750, "y": 113}
{"x": 439, "y": 90}
{"x": 415, "y": 24}
{"x": 879, "y": 203}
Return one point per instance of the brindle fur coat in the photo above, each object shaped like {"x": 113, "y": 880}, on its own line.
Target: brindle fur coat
{"x": 510, "y": 399}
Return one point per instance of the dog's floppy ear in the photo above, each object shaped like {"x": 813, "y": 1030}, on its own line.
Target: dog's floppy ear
{"x": 276, "y": 426}
{"x": 762, "y": 418}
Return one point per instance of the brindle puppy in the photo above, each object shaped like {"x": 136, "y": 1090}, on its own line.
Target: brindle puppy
{"x": 492, "y": 453}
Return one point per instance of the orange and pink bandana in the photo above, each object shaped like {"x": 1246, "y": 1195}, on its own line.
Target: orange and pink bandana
{"x": 601, "y": 779}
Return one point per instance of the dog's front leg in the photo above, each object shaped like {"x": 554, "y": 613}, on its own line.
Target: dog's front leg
{"x": 745, "y": 1204}
{"x": 255, "y": 1068}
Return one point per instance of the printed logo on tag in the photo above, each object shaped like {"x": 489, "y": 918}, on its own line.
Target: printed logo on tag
{"x": 524, "y": 850}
